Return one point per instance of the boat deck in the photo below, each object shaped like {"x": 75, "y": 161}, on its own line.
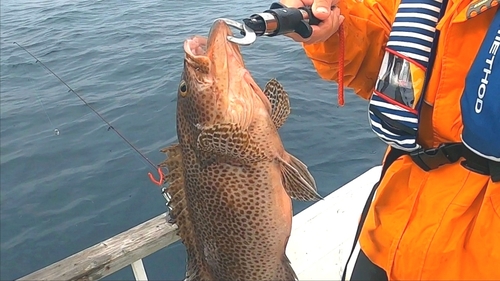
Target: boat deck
{"x": 323, "y": 234}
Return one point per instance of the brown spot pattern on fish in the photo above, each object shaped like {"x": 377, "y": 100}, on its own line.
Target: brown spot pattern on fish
{"x": 232, "y": 141}
{"x": 230, "y": 179}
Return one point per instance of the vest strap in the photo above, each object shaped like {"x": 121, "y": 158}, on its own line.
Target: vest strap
{"x": 447, "y": 153}
{"x": 430, "y": 159}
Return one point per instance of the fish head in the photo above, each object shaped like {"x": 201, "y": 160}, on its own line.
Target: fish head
{"x": 215, "y": 85}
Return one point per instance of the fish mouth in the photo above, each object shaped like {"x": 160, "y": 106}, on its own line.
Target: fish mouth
{"x": 216, "y": 48}
{"x": 196, "y": 47}
{"x": 221, "y": 59}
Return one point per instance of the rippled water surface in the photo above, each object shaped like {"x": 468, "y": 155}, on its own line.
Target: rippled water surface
{"x": 63, "y": 193}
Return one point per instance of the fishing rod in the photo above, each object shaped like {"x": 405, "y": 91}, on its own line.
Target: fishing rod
{"x": 110, "y": 127}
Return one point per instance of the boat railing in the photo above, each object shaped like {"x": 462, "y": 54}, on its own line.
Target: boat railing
{"x": 107, "y": 257}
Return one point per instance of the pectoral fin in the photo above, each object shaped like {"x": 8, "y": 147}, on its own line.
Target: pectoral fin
{"x": 229, "y": 140}
{"x": 280, "y": 103}
{"x": 298, "y": 181}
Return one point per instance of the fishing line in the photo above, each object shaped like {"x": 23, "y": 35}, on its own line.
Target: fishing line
{"x": 110, "y": 127}
{"x": 56, "y": 130}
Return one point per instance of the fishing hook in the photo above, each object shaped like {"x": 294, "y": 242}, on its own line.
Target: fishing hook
{"x": 155, "y": 181}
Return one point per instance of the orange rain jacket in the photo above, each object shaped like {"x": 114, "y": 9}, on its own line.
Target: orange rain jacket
{"x": 442, "y": 224}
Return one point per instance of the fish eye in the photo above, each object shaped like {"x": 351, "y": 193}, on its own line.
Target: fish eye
{"x": 183, "y": 88}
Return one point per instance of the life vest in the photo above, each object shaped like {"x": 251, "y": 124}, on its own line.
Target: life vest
{"x": 394, "y": 107}
{"x": 480, "y": 102}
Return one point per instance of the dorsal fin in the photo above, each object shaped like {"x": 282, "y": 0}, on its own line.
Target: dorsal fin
{"x": 179, "y": 213}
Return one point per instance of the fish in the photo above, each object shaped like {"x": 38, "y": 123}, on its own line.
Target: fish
{"x": 229, "y": 178}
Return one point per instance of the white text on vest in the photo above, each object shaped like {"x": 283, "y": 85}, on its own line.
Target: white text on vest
{"x": 481, "y": 90}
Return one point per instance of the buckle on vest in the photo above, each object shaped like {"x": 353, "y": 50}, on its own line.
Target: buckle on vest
{"x": 480, "y": 165}
{"x": 432, "y": 158}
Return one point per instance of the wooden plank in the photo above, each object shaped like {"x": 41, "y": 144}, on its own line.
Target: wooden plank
{"x": 111, "y": 255}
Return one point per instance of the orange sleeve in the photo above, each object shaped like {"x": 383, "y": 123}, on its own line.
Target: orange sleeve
{"x": 366, "y": 28}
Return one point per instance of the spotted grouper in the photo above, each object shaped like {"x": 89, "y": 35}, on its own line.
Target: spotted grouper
{"x": 229, "y": 177}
